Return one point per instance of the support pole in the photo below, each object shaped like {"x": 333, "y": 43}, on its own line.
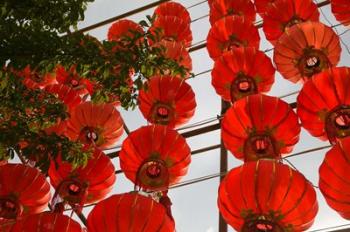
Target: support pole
{"x": 223, "y": 165}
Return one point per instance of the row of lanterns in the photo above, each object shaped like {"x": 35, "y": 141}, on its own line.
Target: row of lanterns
{"x": 261, "y": 195}
{"x": 153, "y": 157}
{"x": 264, "y": 194}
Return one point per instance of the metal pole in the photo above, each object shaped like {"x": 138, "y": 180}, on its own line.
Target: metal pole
{"x": 223, "y": 165}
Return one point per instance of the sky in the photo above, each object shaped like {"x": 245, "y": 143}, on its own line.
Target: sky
{"x": 194, "y": 206}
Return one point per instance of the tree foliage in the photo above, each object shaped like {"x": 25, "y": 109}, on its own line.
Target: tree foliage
{"x": 40, "y": 35}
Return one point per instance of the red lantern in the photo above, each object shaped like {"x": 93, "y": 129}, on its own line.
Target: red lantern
{"x": 306, "y": 49}
{"x": 341, "y": 11}
{"x": 294, "y": 12}
{"x": 334, "y": 173}
{"x": 154, "y": 157}
{"x": 23, "y": 191}
{"x": 129, "y": 212}
{"x": 324, "y": 106}
{"x": 229, "y": 33}
{"x": 173, "y": 9}
{"x": 47, "y": 222}
{"x": 97, "y": 125}
{"x": 262, "y": 6}
{"x": 267, "y": 196}
{"x": 83, "y": 185}
{"x": 167, "y": 100}
{"x": 260, "y": 126}
{"x": 6, "y": 225}
{"x": 123, "y": 28}
{"x": 35, "y": 80}
{"x": 73, "y": 80}
{"x": 172, "y": 28}
{"x": 242, "y": 72}
{"x": 223, "y": 8}
{"x": 176, "y": 51}
{"x": 68, "y": 96}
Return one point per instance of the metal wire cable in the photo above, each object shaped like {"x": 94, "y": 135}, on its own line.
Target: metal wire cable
{"x": 344, "y": 32}
{"x": 285, "y": 158}
{"x": 257, "y": 24}
{"x": 331, "y": 228}
{"x": 295, "y": 168}
{"x": 129, "y": 13}
{"x": 203, "y": 122}
{"x": 200, "y": 123}
{"x": 196, "y": 4}
{"x": 216, "y": 175}
{"x": 199, "y": 18}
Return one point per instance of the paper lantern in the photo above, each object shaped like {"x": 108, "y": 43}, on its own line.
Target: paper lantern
{"x": 23, "y": 191}
{"x": 341, "y": 11}
{"x": 83, "y": 185}
{"x": 171, "y": 28}
{"x": 223, "y": 8}
{"x": 294, "y": 12}
{"x": 267, "y": 196}
{"x": 229, "y": 33}
{"x": 177, "y": 52}
{"x": 123, "y": 28}
{"x": 242, "y": 72}
{"x": 67, "y": 95}
{"x": 262, "y": 6}
{"x": 73, "y": 80}
{"x": 334, "y": 173}
{"x": 306, "y": 49}
{"x": 47, "y": 222}
{"x": 324, "y": 105}
{"x": 34, "y": 80}
{"x": 129, "y": 212}
{"x": 173, "y": 9}
{"x": 154, "y": 157}
{"x": 6, "y": 225}
{"x": 97, "y": 125}
{"x": 260, "y": 126}
{"x": 167, "y": 100}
